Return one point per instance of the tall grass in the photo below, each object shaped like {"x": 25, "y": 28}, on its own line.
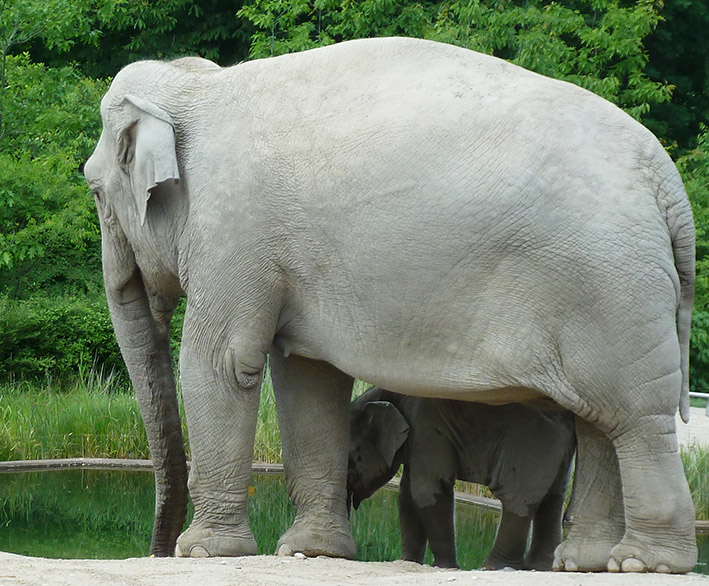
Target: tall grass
{"x": 93, "y": 418}
{"x": 695, "y": 459}
{"x": 97, "y": 417}
{"x": 267, "y": 447}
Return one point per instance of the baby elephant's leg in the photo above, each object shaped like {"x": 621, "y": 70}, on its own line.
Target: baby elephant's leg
{"x": 511, "y": 542}
{"x": 413, "y": 534}
{"x": 432, "y": 498}
{"x": 546, "y": 533}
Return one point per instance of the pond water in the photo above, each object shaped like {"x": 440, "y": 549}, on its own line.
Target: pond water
{"x": 108, "y": 514}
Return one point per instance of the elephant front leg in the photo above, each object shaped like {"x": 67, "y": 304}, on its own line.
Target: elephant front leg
{"x": 596, "y": 508}
{"x": 413, "y": 534}
{"x": 221, "y": 415}
{"x": 313, "y": 400}
{"x": 434, "y": 500}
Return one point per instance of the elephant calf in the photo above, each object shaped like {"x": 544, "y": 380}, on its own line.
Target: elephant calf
{"x": 521, "y": 453}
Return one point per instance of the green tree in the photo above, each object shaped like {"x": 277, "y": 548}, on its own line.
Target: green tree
{"x": 284, "y": 27}
{"x": 679, "y": 55}
{"x": 49, "y": 236}
{"x": 128, "y": 30}
{"x": 58, "y": 23}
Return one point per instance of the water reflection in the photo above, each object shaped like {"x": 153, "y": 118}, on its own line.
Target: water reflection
{"x": 108, "y": 514}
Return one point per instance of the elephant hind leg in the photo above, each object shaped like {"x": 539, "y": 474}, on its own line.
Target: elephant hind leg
{"x": 511, "y": 542}
{"x": 630, "y": 486}
{"x": 631, "y": 510}
{"x": 659, "y": 513}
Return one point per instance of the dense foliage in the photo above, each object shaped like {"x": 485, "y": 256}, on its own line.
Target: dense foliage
{"x": 42, "y": 335}
{"x": 49, "y": 238}
{"x": 56, "y": 57}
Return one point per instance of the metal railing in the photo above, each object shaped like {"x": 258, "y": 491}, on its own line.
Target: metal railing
{"x": 702, "y": 396}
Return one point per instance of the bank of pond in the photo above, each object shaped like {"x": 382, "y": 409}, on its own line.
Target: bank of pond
{"x": 108, "y": 514}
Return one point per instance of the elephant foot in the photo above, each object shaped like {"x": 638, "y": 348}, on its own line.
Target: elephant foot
{"x": 314, "y": 541}
{"x": 582, "y": 555}
{"x": 542, "y": 563}
{"x": 672, "y": 557}
{"x": 200, "y": 541}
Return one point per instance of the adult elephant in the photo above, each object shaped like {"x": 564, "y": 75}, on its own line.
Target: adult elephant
{"x": 420, "y": 216}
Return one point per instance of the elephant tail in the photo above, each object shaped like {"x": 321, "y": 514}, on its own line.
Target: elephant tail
{"x": 678, "y": 214}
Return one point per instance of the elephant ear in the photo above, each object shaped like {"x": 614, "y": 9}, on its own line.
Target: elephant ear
{"x": 146, "y": 149}
{"x": 389, "y": 426}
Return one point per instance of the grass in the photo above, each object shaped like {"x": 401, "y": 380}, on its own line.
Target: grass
{"x": 696, "y": 467}
{"x": 698, "y": 402}
{"x": 96, "y": 417}
{"x": 93, "y": 418}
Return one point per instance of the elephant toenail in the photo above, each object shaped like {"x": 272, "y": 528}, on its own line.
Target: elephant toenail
{"x": 284, "y": 551}
{"x": 663, "y": 569}
{"x": 199, "y": 552}
{"x": 570, "y": 565}
{"x": 633, "y": 565}
{"x": 613, "y": 565}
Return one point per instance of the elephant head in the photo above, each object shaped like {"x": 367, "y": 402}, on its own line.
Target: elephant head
{"x": 378, "y": 432}
{"x": 136, "y": 159}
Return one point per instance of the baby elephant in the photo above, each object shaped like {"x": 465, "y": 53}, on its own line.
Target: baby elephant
{"x": 521, "y": 453}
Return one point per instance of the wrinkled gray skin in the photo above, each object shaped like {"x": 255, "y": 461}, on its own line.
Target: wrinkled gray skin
{"x": 429, "y": 219}
{"x": 521, "y": 453}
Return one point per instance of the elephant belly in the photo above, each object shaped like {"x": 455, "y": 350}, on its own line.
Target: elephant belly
{"x": 495, "y": 369}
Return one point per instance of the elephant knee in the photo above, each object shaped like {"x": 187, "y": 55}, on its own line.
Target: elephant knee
{"x": 244, "y": 367}
{"x": 430, "y": 493}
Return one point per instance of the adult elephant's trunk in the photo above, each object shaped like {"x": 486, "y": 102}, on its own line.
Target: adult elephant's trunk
{"x": 143, "y": 337}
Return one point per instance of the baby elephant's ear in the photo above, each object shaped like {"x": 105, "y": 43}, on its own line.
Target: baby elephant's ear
{"x": 389, "y": 426}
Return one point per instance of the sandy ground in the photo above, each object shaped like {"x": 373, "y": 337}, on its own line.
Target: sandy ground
{"x": 274, "y": 571}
